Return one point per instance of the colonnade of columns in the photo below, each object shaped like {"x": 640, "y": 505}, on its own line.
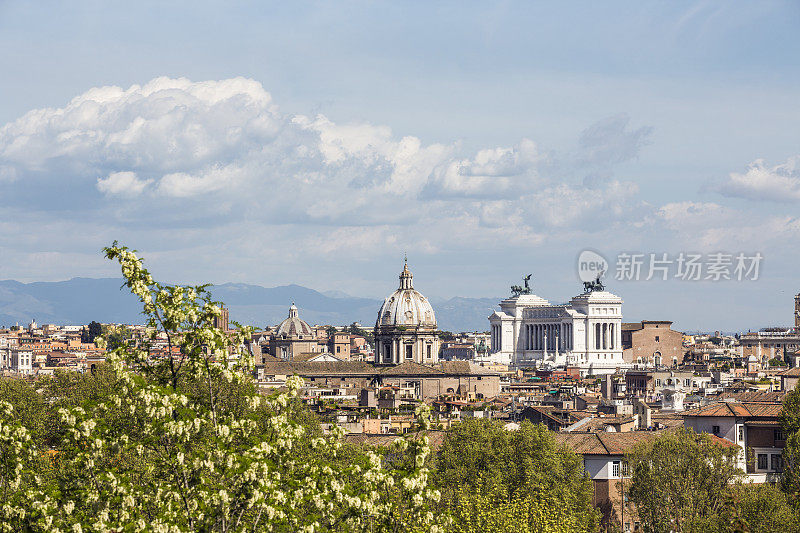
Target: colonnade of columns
{"x": 605, "y": 336}
{"x": 545, "y": 336}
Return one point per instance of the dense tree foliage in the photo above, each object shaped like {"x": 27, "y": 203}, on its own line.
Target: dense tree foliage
{"x": 492, "y": 479}
{"x": 680, "y": 480}
{"x": 759, "y": 508}
{"x": 790, "y": 421}
{"x": 117, "y": 336}
{"x": 685, "y": 481}
{"x": 90, "y": 333}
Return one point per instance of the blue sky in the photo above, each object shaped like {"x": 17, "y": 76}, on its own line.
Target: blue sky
{"x": 485, "y": 140}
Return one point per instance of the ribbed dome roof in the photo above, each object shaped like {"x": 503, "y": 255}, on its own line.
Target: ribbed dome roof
{"x": 406, "y": 306}
{"x": 293, "y": 325}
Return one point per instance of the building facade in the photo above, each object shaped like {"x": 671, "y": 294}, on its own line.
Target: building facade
{"x": 772, "y": 343}
{"x": 754, "y": 426}
{"x": 529, "y": 331}
{"x": 652, "y": 343}
{"x": 405, "y": 330}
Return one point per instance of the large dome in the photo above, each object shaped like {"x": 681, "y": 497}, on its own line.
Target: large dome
{"x": 406, "y": 306}
{"x": 293, "y": 325}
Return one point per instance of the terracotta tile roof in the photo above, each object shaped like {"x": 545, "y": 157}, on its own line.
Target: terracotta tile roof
{"x": 605, "y": 443}
{"x": 791, "y": 373}
{"x": 410, "y": 368}
{"x": 632, "y": 326}
{"x": 465, "y": 367}
{"x": 600, "y": 423}
{"x": 757, "y": 396}
{"x": 737, "y": 409}
{"x": 615, "y": 443}
{"x": 582, "y": 443}
{"x": 589, "y": 399}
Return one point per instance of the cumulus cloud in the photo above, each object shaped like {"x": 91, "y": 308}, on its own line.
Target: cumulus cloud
{"x": 779, "y": 183}
{"x": 174, "y": 154}
{"x": 491, "y": 173}
{"x": 122, "y": 184}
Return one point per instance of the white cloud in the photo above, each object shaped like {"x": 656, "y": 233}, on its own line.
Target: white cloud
{"x": 491, "y": 173}
{"x": 191, "y": 156}
{"x": 122, "y": 184}
{"x": 213, "y": 179}
{"x": 779, "y": 183}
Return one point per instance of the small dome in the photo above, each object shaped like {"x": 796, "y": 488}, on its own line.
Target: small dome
{"x": 406, "y": 306}
{"x": 293, "y": 325}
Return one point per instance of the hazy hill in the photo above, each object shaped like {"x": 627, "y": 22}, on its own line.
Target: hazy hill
{"x": 81, "y": 300}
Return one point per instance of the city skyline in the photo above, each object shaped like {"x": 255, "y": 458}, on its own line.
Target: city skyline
{"x": 317, "y": 156}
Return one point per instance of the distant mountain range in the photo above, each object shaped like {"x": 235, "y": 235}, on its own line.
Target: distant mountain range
{"x": 81, "y": 300}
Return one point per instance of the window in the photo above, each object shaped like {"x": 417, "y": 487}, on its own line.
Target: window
{"x": 658, "y": 383}
{"x": 777, "y": 462}
{"x": 762, "y": 461}
{"x": 686, "y": 382}
{"x": 409, "y": 351}
{"x": 428, "y": 354}
{"x": 741, "y": 433}
{"x": 657, "y": 339}
{"x": 338, "y": 349}
{"x": 625, "y": 468}
{"x": 715, "y": 430}
{"x": 779, "y": 435}
{"x": 615, "y": 469}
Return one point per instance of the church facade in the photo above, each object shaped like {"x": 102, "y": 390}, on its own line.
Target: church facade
{"x": 293, "y": 337}
{"x": 405, "y": 329}
{"x": 529, "y": 331}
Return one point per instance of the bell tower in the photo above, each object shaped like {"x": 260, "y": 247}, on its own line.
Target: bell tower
{"x": 797, "y": 311}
